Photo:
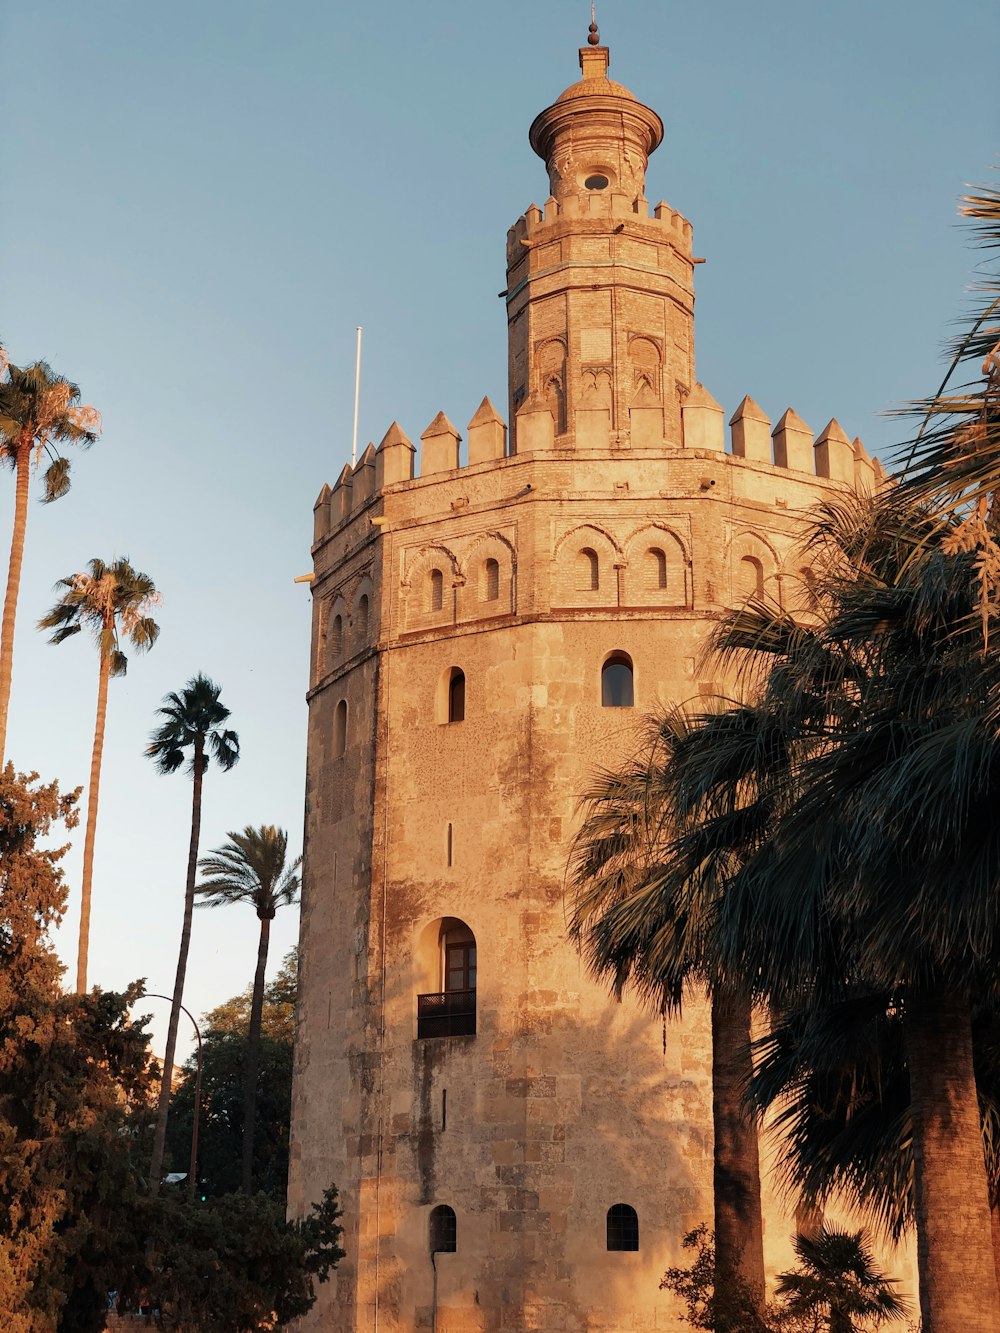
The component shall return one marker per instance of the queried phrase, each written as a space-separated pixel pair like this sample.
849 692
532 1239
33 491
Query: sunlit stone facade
464 615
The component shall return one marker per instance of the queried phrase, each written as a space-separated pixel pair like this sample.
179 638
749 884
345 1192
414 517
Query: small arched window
751 577
443 1230
656 568
623 1227
362 634
616 682
588 570
490 585
456 695
340 729
436 590
336 645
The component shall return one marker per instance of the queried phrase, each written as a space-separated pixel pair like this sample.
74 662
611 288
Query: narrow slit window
491 580
623 1227
340 729
363 618
443 1230
456 696
617 685
656 565
336 637
437 590
451 846
588 570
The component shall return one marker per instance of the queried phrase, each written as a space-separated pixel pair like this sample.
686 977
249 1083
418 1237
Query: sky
202 200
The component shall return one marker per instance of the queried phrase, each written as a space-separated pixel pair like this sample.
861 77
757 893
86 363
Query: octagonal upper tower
600 291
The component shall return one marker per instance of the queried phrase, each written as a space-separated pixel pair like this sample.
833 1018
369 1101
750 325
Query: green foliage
251 868
74 1074
835 1287
278 1017
230 1264
112 601
38 411
193 722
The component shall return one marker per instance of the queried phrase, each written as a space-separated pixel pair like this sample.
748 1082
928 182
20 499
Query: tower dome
596 135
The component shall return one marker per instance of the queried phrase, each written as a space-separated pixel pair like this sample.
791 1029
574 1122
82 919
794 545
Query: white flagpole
357 390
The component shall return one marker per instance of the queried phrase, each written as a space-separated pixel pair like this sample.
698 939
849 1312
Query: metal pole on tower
357 390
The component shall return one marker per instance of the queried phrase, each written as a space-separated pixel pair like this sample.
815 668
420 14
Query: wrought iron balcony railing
450 1013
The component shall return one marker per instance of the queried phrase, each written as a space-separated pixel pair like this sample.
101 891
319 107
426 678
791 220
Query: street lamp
192 1176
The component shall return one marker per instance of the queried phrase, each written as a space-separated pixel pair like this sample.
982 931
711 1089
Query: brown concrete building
513 1149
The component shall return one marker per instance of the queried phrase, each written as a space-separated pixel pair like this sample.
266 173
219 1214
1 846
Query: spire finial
594 37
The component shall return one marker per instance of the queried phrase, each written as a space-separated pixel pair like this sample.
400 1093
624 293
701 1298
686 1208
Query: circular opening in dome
596 182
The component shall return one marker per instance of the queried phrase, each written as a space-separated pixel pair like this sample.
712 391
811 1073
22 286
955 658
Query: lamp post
192 1175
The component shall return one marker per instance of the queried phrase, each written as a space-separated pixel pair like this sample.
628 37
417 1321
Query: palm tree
837 1277
38 411
192 730
637 857
113 601
881 871
251 868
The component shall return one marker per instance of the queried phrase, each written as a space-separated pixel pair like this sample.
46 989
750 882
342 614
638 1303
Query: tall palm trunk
253 1055
13 584
958 1285
83 949
163 1106
739 1240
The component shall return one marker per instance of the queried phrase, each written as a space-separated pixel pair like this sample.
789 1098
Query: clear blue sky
202 199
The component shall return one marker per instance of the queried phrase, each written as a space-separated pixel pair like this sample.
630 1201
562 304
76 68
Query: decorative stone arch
335 636
754 567
658 568
585 568
797 581
362 615
419 584
488 590
645 356
550 378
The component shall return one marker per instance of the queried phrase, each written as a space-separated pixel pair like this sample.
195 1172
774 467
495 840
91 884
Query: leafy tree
881 870
251 868
113 602
39 410
74 1077
192 730
641 925
223 1082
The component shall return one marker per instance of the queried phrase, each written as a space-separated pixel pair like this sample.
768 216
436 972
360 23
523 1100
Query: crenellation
751 432
439 447
536 428
864 469
702 417
363 487
394 458
793 443
321 514
834 453
532 218
340 499
551 209
487 434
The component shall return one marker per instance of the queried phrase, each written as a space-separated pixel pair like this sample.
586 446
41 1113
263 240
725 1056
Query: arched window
336 637
588 570
623 1227
446 962
340 729
616 682
456 696
751 577
443 1230
489 588
436 590
656 568
362 634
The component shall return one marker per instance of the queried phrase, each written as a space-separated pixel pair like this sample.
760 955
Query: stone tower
514 1150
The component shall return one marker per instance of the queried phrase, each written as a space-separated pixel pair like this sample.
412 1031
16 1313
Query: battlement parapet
789 446
535 221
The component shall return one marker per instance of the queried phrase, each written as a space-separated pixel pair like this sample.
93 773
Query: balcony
450 1013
